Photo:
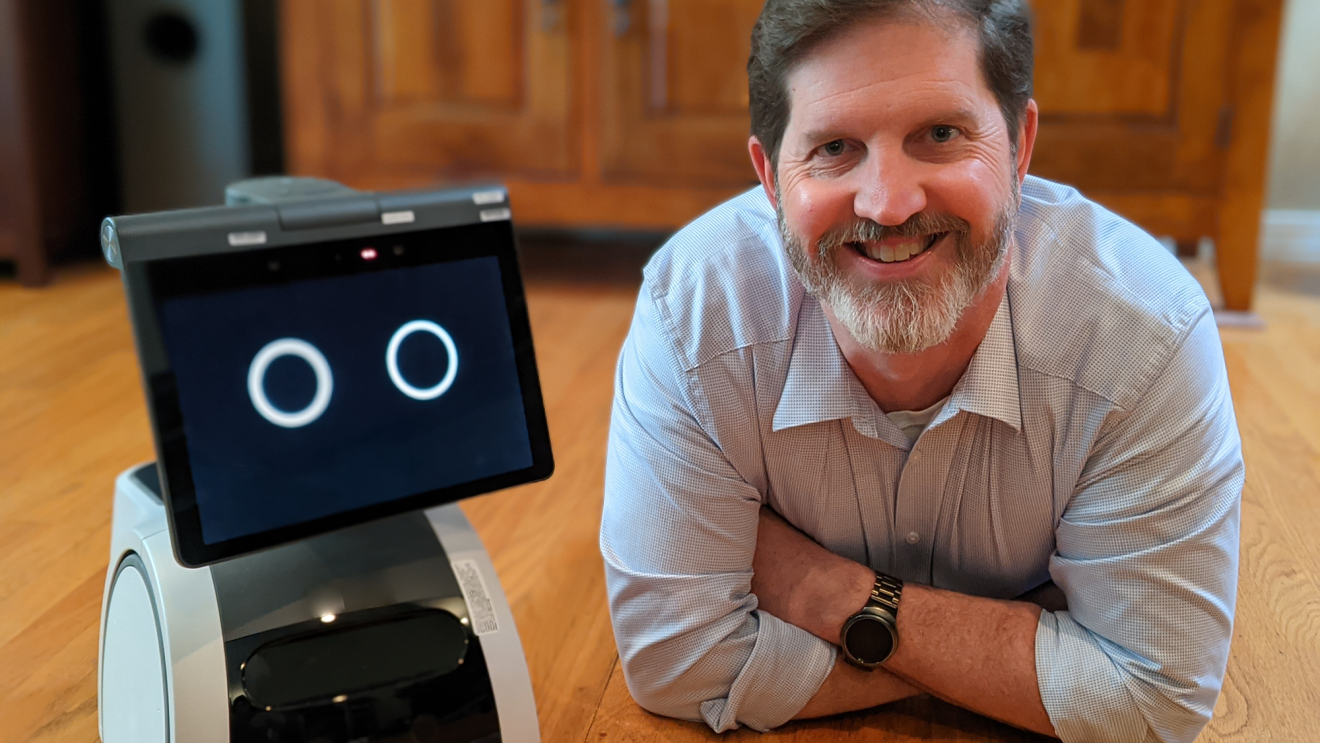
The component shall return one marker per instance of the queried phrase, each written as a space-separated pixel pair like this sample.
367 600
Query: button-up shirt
1090 441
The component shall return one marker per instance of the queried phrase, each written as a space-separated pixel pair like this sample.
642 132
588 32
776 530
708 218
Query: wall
1292 223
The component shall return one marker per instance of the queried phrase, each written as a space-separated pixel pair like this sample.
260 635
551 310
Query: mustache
867 230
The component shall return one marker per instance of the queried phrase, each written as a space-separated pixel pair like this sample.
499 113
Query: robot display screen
319 386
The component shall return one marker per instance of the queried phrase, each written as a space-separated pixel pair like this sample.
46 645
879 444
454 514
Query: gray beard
904 317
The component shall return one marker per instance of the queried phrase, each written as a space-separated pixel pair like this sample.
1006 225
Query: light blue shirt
1091 441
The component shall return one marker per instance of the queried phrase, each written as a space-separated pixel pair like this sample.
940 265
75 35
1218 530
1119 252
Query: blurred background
623 118
613 122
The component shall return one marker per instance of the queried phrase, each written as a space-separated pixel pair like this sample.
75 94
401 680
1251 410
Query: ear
1027 139
765 170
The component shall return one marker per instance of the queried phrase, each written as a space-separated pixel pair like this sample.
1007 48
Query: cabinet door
1133 102
674 91
385 92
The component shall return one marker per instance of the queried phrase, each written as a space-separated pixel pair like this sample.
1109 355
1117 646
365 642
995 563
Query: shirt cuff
1083 691
785 670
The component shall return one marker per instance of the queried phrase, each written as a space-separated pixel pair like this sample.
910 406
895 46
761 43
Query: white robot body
164 675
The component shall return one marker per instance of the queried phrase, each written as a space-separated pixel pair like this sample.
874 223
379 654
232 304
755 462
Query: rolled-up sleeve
678 534
1147 554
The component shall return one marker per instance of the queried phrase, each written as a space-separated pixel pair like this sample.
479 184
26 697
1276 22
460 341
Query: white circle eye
325 382
392 359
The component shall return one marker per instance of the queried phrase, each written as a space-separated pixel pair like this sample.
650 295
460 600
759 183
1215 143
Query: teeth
895 253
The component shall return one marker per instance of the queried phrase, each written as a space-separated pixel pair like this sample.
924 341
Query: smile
896 250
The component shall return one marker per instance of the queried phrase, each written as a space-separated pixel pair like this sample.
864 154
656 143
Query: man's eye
835 148
943 133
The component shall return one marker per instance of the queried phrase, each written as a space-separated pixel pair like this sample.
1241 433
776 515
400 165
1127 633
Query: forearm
847 689
829 591
974 652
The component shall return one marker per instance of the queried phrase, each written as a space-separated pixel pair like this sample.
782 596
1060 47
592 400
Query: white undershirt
913 422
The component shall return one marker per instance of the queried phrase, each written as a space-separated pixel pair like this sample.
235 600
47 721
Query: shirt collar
820 386
989 387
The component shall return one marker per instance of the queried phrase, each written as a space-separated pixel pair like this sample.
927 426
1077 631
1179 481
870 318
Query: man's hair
789 29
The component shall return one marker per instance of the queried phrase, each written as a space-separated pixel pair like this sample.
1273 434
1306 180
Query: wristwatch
870 636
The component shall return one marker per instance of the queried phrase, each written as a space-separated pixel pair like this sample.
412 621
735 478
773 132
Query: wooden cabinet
607 113
20 216
674 92
54 185
633 113
1160 110
426 89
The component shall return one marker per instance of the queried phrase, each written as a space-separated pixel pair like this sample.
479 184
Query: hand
803 583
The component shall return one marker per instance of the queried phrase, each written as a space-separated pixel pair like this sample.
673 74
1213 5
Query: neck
919 380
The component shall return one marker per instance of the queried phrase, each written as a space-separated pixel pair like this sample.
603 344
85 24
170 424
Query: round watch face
869 640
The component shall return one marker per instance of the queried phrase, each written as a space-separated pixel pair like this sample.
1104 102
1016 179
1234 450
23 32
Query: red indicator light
368 254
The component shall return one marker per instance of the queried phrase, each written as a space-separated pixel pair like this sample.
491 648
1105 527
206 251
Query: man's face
897 181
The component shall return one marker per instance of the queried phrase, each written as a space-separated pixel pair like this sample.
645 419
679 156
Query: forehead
896 68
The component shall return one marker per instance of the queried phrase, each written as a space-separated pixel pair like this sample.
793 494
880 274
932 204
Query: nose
889 190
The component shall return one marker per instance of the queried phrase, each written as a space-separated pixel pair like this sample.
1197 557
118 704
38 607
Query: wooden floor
72 417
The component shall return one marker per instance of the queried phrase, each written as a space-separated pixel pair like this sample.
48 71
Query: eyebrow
822 135
830 134
958 114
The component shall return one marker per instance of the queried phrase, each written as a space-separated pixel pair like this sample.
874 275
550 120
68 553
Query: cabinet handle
552 11
622 16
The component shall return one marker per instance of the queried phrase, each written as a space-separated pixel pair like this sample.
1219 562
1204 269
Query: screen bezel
221 272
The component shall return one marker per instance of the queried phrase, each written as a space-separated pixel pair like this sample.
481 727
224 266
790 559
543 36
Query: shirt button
913 537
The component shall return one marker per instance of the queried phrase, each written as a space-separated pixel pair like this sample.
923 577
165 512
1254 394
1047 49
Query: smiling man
908 420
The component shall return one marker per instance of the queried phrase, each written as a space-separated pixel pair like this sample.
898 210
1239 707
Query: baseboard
1240 320
1291 235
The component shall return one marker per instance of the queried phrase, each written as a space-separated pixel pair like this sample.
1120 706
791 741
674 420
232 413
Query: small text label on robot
476 596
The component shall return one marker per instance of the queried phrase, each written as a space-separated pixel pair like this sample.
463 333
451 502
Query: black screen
338 385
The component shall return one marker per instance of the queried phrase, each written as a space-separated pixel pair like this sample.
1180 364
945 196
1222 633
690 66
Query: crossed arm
975 652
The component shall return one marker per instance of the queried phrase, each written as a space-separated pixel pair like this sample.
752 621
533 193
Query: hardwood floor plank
56 699
1273 687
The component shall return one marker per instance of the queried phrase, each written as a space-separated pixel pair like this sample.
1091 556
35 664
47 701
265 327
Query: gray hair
788 29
